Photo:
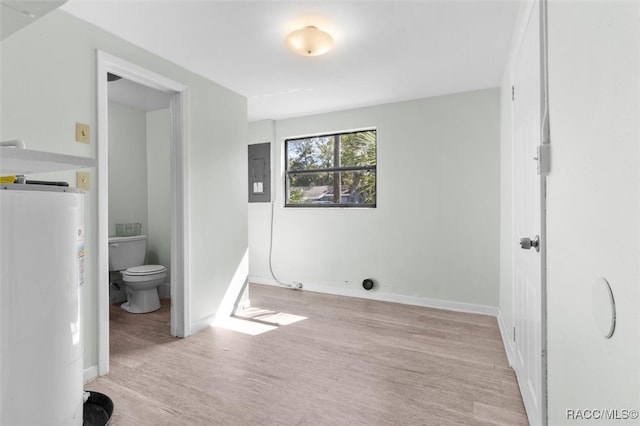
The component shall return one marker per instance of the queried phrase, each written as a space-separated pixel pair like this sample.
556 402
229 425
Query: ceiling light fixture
309 41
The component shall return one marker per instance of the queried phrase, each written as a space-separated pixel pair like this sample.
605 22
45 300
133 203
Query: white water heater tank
41 270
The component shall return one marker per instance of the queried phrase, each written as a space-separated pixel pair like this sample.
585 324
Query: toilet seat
145 270
144 273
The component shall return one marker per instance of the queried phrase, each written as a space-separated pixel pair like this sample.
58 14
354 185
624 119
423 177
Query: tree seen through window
332 170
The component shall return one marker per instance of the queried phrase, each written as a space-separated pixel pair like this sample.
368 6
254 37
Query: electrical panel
259 172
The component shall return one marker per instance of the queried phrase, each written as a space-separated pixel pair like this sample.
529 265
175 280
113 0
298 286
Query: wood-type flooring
350 362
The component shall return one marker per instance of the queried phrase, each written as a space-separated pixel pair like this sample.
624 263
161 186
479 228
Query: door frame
543 169
180 294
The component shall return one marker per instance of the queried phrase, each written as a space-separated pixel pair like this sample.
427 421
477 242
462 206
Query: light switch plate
82 133
82 180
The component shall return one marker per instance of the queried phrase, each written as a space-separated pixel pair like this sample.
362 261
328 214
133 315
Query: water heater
42 255
41 270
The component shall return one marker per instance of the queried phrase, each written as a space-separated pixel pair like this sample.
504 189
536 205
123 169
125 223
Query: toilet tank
126 252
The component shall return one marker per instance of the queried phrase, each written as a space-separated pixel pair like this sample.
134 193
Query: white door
529 295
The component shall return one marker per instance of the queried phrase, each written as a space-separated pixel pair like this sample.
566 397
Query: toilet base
142 301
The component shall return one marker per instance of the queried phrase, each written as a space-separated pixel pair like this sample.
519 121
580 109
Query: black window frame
336 170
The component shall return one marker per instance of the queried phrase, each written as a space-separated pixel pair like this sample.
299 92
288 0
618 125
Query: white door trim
180 313
545 139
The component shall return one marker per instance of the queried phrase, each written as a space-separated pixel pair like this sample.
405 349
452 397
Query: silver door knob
527 243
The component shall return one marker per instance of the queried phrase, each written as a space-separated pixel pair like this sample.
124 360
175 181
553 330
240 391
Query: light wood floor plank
351 362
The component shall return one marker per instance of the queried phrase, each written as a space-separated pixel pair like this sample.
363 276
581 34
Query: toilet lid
145 270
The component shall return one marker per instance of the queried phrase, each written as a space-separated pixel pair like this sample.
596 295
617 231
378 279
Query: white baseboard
506 337
201 325
389 297
90 373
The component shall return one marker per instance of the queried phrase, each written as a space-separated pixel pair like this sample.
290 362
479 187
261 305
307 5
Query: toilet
126 255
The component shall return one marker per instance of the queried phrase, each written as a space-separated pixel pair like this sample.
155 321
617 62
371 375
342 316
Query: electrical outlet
82 180
82 133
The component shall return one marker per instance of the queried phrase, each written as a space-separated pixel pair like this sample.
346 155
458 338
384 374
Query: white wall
434 234
127 166
593 204
49 83
159 192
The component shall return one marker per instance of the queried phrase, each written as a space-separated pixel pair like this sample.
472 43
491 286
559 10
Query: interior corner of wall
90 373
236 289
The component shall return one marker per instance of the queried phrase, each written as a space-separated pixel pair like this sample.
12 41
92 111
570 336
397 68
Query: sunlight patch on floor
251 328
255 321
269 317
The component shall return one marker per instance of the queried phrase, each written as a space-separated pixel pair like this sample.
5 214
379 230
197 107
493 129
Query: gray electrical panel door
260 173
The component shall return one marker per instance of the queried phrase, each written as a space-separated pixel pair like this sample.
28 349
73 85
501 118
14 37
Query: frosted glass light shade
309 41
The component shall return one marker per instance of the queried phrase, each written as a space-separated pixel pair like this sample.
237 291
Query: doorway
179 291
139 204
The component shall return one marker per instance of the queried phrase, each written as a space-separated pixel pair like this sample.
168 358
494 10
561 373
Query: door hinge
544 159
513 93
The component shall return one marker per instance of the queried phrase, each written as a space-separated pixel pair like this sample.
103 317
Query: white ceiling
386 51
135 95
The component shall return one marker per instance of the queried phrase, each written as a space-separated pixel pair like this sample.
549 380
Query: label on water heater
80 254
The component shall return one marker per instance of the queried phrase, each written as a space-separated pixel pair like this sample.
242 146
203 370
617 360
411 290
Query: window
337 170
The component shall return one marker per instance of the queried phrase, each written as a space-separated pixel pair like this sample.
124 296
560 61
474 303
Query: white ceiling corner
17 14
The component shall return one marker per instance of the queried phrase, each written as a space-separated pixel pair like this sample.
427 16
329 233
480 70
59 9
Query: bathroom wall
433 237
127 166
159 193
48 82
139 179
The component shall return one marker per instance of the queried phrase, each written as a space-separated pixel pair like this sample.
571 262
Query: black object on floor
97 410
